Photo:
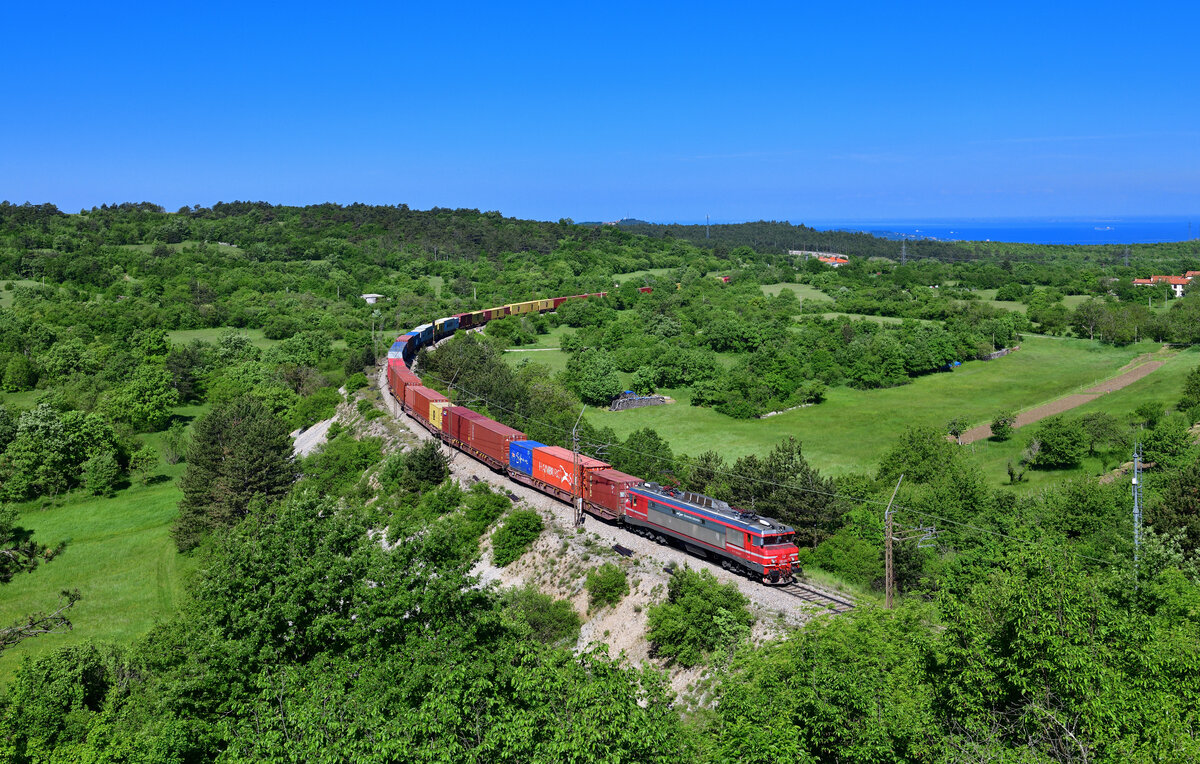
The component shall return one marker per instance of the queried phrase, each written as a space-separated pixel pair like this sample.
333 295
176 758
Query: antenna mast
904 252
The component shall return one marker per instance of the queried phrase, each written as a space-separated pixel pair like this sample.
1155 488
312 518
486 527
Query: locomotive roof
710 506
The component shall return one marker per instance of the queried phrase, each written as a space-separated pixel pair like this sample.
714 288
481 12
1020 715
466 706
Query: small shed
372 298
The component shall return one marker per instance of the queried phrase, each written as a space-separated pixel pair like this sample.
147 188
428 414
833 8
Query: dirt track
1069 402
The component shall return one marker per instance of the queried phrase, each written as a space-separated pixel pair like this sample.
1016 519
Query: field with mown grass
851 429
803 291
119 555
621 278
6 295
1162 387
210 335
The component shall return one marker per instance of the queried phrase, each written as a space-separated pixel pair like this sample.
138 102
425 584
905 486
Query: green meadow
119 555
803 291
6 295
184 336
851 429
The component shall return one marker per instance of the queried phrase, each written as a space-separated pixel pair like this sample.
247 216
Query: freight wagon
703 525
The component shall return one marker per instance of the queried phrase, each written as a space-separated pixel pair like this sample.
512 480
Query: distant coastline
1028 230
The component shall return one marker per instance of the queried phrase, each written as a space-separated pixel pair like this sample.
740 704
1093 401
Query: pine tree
239 452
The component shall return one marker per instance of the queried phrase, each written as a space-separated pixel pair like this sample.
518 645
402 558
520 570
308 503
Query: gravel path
1068 402
468 470
304 442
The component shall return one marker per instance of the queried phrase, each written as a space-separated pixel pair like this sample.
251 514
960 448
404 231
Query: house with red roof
1177 283
833 261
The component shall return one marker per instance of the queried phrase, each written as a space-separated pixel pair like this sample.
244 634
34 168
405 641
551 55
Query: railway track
815 596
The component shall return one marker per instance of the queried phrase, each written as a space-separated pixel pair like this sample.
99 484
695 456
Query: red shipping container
556 466
454 419
417 398
559 301
607 488
399 378
490 437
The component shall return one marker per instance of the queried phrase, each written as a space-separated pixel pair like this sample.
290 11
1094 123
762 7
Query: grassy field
876 319
184 336
22 400
803 291
119 556
1162 387
621 278
853 428
6 295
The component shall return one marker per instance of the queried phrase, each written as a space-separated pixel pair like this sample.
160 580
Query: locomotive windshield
784 538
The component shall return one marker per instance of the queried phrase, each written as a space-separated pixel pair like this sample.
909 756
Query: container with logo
520 455
555 466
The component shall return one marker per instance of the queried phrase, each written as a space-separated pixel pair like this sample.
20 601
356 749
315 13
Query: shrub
320 405
547 620
175 443
341 462
143 462
1059 442
1002 425
606 585
356 381
368 410
511 540
700 615
101 473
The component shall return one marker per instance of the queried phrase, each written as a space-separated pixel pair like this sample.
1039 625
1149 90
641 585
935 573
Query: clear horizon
664 112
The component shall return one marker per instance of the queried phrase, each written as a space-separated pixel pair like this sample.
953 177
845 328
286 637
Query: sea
1129 230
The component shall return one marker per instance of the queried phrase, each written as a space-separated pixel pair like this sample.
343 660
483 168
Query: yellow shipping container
545 305
517 308
436 409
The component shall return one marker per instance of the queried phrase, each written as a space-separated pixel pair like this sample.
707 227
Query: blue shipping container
520 455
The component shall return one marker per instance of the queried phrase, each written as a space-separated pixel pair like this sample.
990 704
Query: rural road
1068 402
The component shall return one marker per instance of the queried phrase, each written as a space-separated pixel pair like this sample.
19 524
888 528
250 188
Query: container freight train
707 527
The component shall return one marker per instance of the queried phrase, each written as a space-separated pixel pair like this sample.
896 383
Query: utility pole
889 577
706 226
1137 508
577 487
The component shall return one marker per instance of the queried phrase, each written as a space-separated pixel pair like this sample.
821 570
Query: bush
143 462
319 406
1059 442
700 615
606 585
511 540
340 462
1002 425
101 473
356 381
547 620
175 443
368 410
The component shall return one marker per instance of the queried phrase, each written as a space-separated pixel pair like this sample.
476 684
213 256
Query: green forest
328 606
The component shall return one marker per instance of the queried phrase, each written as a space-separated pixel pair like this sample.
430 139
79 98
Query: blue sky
799 111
